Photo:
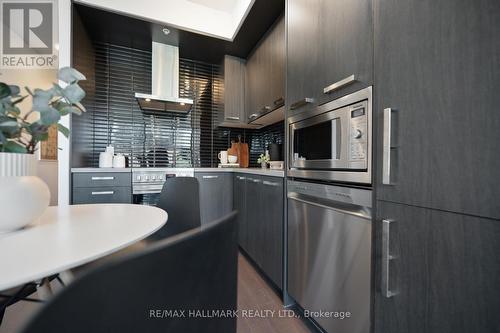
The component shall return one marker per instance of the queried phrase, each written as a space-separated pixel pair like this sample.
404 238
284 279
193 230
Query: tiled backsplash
161 139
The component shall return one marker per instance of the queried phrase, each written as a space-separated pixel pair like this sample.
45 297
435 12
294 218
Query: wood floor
255 294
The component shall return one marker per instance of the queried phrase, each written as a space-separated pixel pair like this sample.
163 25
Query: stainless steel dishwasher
329 254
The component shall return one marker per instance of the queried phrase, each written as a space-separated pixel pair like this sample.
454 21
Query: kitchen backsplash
154 139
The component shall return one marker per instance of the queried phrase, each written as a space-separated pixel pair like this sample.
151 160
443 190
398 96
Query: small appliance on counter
276 156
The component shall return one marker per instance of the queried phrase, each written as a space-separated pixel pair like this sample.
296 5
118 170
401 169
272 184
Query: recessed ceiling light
166 31
148 99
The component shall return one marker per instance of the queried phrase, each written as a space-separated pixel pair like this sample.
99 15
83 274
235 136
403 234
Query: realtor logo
28 34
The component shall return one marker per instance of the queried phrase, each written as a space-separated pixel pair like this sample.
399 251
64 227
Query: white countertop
253 171
65 237
101 169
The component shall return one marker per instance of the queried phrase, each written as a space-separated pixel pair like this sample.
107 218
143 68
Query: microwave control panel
358 140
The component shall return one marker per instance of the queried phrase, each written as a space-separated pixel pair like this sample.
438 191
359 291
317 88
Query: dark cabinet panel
328 42
100 179
239 204
445 272
216 195
437 67
272 228
94 195
254 218
234 90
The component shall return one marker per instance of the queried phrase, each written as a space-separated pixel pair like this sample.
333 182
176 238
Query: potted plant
23 196
263 160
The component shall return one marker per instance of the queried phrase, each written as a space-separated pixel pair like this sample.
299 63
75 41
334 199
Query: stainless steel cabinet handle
256 180
339 84
210 177
103 178
302 102
386 258
240 178
386 149
266 108
253 115
265 182
279 101
233 118
102 192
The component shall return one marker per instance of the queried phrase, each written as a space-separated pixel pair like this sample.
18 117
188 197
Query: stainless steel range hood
165 83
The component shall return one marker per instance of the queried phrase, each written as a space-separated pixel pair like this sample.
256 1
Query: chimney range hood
165 83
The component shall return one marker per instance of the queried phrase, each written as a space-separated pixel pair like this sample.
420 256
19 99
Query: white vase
23 196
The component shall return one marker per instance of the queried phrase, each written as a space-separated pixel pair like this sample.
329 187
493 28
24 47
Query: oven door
319 142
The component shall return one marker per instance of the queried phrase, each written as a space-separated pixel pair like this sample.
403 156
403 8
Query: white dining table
65 237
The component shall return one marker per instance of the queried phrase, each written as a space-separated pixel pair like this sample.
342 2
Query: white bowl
232 158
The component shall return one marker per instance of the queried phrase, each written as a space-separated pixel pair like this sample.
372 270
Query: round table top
69 236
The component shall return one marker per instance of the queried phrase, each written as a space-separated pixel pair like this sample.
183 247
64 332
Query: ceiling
216 18
105 26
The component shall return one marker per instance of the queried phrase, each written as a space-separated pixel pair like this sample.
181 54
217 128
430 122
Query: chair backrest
180 198
148 290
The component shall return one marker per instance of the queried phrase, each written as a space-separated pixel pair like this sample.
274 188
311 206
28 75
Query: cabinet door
252 91
445 272
234 89
216 193
437 67
277 64
345 46
272 228
254 219
239 204
303 26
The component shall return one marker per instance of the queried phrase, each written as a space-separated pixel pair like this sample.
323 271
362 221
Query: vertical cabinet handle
103 178
386 259
339 84
386 149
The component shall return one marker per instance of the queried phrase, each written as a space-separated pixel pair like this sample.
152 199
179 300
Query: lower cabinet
216 195
444 272
259 200
101 187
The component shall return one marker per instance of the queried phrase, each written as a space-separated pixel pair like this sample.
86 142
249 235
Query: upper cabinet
437 77
265 75
234 91
329 51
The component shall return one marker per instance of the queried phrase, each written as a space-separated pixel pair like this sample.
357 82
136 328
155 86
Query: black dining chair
178 284
180 198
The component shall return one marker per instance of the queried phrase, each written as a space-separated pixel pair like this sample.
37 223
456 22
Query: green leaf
65 108
13 110
14 90
2 138
9 126
49 115
41 99
38 131
70 75
57 90
14 147
74 93
19 100
4 90
63 130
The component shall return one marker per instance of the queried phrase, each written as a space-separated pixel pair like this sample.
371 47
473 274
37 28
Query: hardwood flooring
255 294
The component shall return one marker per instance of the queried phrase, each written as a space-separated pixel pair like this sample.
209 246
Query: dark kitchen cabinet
436 67
264 223
330 47
101 187
216 195
445 271
272 228
265 72
239 204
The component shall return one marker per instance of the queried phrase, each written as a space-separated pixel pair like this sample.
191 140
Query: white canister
110 149
119 161
105 160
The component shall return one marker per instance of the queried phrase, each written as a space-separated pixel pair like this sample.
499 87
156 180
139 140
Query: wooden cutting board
233 150
243 158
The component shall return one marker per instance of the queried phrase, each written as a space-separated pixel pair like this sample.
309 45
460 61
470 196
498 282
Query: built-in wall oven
147 183
334 141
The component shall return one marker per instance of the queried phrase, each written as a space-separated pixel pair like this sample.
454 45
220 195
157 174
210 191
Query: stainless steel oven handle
302 102
386 259
339 84
386 147
332 206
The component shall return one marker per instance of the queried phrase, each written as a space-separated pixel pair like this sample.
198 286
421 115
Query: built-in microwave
334 141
